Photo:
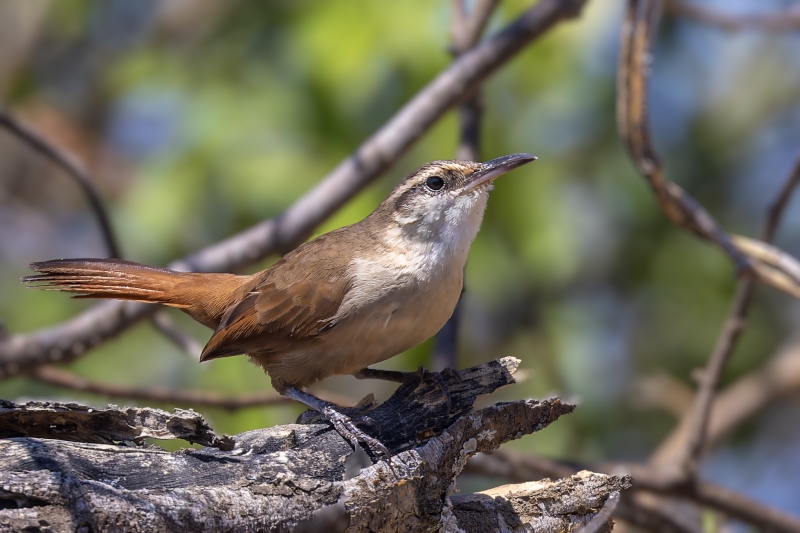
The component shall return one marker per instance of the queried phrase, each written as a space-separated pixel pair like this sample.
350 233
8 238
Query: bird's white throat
441 232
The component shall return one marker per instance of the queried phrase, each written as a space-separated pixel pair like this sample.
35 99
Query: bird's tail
203 296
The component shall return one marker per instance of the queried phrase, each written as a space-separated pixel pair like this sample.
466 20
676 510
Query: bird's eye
434 183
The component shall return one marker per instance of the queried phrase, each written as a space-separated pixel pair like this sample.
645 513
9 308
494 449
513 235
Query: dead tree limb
304 477
79 423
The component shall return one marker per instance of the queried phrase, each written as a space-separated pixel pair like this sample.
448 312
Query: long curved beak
497 167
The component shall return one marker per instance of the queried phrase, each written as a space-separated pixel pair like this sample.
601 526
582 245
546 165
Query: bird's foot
342 423
345 426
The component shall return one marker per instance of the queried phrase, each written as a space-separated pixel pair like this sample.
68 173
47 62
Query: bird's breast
412 271
396 301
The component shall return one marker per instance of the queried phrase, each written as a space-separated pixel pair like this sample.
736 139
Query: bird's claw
345 426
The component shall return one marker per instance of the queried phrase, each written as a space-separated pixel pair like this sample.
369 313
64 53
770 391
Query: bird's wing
296 299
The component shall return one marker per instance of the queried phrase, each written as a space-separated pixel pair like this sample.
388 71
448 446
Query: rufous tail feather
203 296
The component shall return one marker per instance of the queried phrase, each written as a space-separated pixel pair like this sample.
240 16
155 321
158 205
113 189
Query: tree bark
299 477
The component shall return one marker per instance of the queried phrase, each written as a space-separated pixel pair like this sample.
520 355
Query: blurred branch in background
788 20
733 327
466 31
74 168
73 338
77 170
165 324
679 474
68 380
638 32
734 405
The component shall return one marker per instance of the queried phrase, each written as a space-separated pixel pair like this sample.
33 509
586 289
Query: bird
336 304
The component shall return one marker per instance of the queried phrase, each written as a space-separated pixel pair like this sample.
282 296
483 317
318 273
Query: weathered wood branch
80 423
585 500
304 477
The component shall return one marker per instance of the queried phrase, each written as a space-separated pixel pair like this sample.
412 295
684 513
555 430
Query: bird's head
443 201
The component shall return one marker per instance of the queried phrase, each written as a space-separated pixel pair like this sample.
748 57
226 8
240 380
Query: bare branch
603 518
633 507
72 339
459 23
73 168
635 64
709 378
638 32
80 423
788 20
167 326
77 170
738 402
68 380
735 324
777 207
466 31
536 504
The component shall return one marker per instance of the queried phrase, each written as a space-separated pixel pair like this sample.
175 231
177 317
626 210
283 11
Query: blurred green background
199 118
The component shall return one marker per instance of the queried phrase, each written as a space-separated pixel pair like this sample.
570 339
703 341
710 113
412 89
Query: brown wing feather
286 307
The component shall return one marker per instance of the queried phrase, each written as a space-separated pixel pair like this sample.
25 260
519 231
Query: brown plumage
272 312
204 297
335 305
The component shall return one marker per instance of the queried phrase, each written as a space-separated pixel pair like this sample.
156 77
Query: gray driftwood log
298 477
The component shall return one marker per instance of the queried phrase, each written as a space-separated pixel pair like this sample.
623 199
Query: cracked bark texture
80 423
304 477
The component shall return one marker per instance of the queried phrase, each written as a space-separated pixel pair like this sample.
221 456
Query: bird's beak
495 168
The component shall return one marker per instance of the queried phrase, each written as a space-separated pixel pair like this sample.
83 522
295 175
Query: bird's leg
421 375
341 422
386 375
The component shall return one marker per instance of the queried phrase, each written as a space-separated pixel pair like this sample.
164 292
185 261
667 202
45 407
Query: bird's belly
387 328
376 332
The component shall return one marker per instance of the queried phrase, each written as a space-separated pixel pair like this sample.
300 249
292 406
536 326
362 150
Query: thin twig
68 380
72 166
776 209
635 65
733 405
73 338
466 31
727 339
709 379
64 159
788 20
164 323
